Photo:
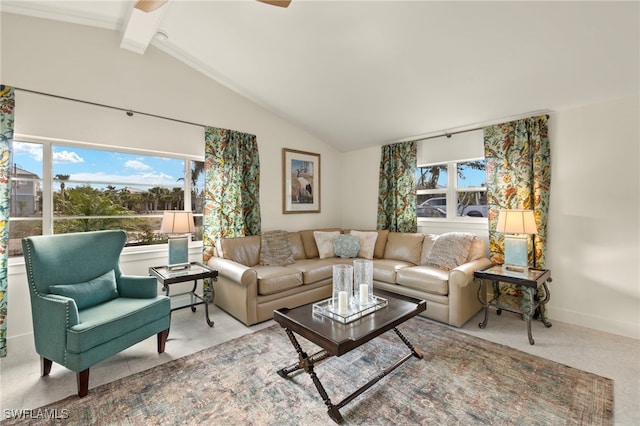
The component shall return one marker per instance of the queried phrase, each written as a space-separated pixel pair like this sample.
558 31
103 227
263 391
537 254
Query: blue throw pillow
86 294
346 246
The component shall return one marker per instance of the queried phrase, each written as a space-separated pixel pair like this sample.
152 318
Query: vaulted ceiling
364 73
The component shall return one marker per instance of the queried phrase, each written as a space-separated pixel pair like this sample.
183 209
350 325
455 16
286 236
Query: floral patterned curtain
7 106
397 188
518 164
232 187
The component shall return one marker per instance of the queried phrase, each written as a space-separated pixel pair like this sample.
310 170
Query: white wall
594 224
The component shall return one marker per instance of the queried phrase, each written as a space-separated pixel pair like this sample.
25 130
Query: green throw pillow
86 294
346 246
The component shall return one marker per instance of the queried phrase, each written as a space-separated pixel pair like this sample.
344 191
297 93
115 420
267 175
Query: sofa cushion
450 250
346 246
385 270
381 243
275 249
274 279
244 250
367 241
91 293
476 251
314 270
325 242
297 248
427 244
404 246
424 278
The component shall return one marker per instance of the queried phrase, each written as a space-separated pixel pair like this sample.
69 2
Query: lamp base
515 255
178 252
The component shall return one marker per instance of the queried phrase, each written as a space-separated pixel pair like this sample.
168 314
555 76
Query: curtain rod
129 112
473 129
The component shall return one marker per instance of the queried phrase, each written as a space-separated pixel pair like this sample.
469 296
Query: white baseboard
608 325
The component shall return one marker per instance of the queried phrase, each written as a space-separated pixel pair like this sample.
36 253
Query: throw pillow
275 249
367 242
346 246
86 294
325 242
450 250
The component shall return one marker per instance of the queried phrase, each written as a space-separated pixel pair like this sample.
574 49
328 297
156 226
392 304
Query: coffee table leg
306 363
415 351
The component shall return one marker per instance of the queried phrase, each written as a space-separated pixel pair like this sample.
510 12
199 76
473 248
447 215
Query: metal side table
196 271
534 280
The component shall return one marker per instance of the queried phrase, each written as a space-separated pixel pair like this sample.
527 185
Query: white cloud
137 165
67 157
154 179
31 149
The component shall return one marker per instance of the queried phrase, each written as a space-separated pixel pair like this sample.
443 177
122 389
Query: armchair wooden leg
162 339
45 366
82 377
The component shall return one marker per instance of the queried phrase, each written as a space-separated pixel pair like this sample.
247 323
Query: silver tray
356 311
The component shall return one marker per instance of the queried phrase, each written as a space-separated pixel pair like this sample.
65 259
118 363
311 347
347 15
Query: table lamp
517 224
178 225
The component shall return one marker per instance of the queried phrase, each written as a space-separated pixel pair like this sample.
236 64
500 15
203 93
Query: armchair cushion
103 323
90 293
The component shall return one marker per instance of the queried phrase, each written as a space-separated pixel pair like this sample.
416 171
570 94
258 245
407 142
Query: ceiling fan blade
279 3
149 5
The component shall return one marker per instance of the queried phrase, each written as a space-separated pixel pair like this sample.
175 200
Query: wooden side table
196 271
533 280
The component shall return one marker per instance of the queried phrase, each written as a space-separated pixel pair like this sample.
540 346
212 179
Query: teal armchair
84 309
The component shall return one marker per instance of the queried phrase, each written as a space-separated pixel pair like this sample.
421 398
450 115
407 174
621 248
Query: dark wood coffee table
336 339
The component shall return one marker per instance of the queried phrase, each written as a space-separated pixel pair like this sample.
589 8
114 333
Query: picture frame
300 181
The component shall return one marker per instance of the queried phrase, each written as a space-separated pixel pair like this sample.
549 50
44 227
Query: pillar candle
364 294
343 302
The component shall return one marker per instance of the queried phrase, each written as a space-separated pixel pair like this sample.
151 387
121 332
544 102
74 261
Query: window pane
140 230
471 174
472 203
18 229
26 180
432 205
91 182
432 177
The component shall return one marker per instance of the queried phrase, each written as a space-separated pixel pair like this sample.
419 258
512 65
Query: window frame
451 192
47 179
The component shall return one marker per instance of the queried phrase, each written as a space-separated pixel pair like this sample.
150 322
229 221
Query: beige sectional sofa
403 263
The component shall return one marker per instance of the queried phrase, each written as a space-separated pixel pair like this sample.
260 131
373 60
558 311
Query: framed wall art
300 182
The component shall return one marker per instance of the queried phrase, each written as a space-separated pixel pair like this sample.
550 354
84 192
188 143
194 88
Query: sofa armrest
234 271
137 286
463 296
462 275
52 316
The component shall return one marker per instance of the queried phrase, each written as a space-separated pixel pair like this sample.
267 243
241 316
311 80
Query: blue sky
119 169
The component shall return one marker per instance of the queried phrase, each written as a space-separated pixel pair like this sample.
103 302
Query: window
58 189
462 184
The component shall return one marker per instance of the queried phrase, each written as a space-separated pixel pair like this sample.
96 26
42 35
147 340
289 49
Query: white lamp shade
516 222
177 222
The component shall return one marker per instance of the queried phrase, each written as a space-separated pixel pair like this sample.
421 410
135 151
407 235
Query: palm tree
62 179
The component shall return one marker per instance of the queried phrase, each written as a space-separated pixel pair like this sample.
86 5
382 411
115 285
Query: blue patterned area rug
461 380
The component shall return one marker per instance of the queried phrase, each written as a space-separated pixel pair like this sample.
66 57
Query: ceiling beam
141 28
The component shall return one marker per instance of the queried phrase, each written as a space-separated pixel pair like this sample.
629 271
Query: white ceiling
365 73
